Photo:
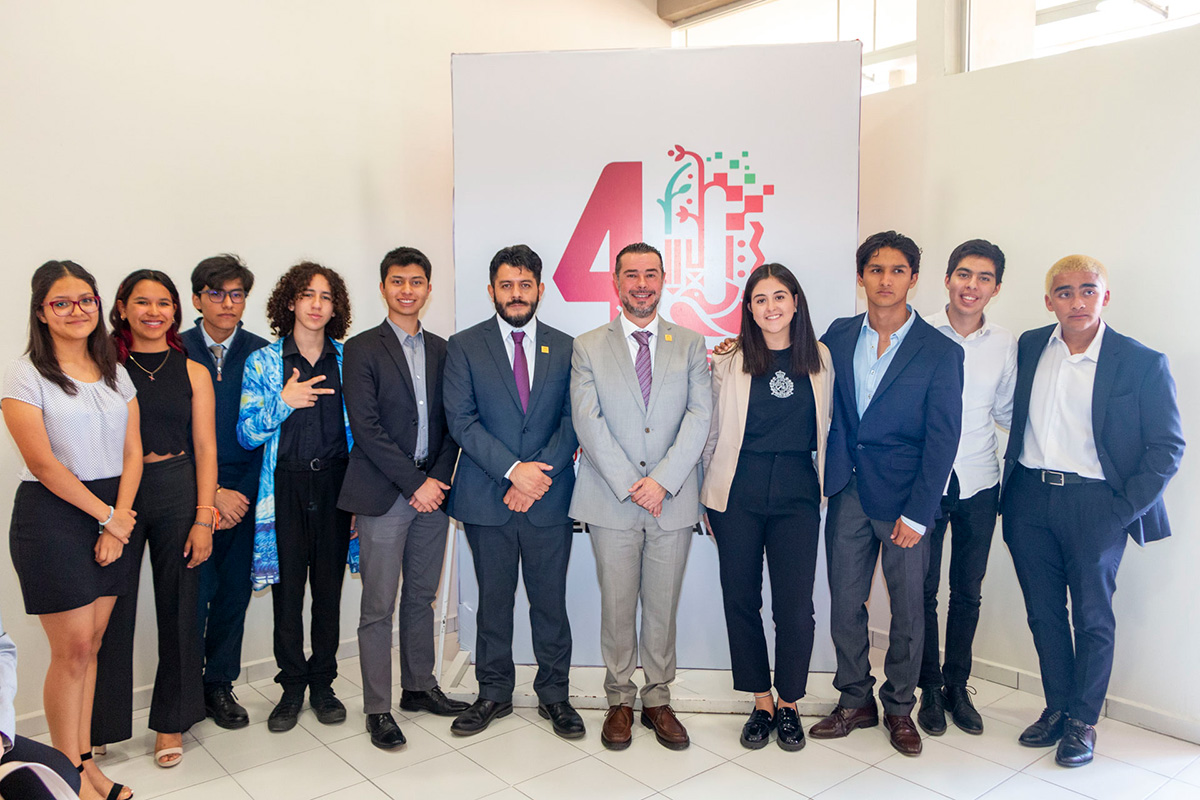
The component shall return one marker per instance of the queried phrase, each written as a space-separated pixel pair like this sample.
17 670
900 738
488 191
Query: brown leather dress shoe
903 734
843 720
667 728
617 732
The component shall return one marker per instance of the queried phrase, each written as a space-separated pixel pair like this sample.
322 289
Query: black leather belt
312 465
1056 478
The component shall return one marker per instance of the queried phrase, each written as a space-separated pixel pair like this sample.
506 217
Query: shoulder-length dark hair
41 345
122 336
288 289
756 358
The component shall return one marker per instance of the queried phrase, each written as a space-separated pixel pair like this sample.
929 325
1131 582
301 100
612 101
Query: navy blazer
903 448
377 388
1135 422
485 417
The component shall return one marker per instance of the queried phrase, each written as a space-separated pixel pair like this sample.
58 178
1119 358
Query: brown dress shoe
843 720
667 728
903 734
617 732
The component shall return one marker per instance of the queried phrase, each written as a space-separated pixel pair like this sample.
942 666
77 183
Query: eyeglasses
237 296
65 308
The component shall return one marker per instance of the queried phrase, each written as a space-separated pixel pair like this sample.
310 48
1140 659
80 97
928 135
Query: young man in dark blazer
219 288
1095 439
508 404
396 483
897 414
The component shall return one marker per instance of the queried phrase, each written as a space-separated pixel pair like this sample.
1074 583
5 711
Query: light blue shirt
8 691
414 354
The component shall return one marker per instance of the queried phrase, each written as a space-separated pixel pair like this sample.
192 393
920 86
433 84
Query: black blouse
164 395
782 415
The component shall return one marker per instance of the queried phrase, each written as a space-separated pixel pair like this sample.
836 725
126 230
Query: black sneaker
326 706
932 716
286 712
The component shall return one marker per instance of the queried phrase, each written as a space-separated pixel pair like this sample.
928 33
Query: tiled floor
519 758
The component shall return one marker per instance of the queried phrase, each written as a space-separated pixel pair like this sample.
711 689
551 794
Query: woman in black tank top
175 514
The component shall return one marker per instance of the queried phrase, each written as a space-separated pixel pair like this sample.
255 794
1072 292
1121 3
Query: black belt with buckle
312 465
1056 478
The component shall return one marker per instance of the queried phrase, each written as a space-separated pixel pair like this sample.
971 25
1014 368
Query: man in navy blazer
897 414
1095 439
507 394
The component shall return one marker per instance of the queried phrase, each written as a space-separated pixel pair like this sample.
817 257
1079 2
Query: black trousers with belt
774 508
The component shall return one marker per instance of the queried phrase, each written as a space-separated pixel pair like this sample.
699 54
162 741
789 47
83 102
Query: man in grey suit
641 402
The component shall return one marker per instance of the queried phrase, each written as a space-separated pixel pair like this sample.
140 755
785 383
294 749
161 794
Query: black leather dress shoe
757 730
432 700
1046 731
1077 745
789 733
962 710
932 715
385 733
221 704
478 716
286 712
563 718
326 706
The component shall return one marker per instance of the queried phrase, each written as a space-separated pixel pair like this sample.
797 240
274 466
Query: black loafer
563 718
757 730
1077 745
286 712
432 700
789 733
221 704
478 716
962 710
326 706
1046 731
932 715
385 733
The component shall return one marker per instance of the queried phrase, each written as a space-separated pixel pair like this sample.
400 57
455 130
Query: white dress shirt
989 378
628 329
8 691
1059 434
529 345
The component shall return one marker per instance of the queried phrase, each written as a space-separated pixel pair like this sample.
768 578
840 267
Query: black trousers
542 555
972 522
23 785
1066 539
774 508
313 537
166 509
224 597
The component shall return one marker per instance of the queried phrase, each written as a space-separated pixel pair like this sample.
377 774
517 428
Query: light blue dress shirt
414 354
8 690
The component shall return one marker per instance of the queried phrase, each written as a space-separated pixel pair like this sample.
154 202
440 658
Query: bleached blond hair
1075 263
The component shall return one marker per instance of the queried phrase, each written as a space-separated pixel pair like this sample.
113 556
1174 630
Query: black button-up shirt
320 431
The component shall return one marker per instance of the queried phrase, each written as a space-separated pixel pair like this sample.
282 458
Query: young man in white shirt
971 499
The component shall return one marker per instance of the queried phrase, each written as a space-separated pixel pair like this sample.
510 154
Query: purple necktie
641 364
521 369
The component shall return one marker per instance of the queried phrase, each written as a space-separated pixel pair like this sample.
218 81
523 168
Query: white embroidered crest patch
781 385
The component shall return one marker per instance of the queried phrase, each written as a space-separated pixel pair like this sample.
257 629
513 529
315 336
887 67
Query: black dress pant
1066 539
972 522
166 509
23 784
774 508
224 597
313 537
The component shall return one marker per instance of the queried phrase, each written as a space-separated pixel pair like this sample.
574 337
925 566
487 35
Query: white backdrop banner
723 158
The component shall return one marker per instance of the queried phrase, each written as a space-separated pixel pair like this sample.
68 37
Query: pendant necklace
156 369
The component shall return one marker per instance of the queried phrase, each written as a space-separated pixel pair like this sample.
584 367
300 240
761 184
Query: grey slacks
402 541
645 564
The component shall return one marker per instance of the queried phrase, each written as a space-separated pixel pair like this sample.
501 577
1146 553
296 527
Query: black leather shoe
1077 744
563 718
757 730
326 706
432 700
478 716
1046 731
932 715
385 733
962 710
287 710
789 733
221 704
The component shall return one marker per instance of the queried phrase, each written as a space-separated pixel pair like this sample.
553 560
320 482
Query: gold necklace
156 369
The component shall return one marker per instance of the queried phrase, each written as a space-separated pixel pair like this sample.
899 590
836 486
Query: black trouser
224 597
1066 539
23 784
313 537
972 522
166 509
774 507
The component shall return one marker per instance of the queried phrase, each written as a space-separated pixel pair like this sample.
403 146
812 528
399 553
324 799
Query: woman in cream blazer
763 464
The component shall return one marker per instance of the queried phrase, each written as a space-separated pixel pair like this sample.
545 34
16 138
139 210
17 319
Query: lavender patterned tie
641 364
521 368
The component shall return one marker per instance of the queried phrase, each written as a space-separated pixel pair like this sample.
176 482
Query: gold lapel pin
668 337
545 349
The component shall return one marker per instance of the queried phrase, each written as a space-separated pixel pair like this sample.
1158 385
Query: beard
639 313
519 317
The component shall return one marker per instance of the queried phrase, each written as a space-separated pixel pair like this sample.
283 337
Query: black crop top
164 395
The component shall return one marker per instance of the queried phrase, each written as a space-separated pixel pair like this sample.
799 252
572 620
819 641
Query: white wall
148 134
1095 152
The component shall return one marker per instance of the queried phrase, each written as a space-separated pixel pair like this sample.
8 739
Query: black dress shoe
286 712
221 704
962 710
563 718
432 700
478 716
789 733
757 730
1046 731
326 706
385 733
932 715
1077 745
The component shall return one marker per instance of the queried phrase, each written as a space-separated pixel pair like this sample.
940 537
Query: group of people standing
247 464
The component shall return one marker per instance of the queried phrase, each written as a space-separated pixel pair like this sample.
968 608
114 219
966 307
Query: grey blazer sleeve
592 428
